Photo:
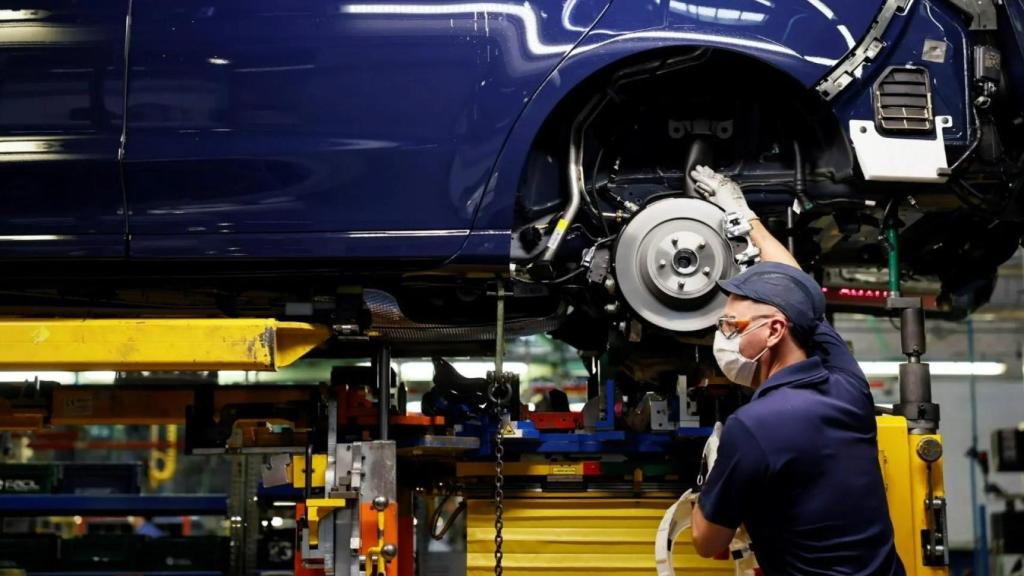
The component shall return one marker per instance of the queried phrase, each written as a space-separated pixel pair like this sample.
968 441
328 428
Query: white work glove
710 454
722 191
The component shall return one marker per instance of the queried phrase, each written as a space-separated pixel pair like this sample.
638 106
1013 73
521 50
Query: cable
460 509
970 149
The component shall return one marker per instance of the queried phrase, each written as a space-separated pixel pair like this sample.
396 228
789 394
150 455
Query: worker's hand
722 191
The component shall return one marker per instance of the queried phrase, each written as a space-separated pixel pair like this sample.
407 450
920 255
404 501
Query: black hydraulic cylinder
916 398
915 377
912 331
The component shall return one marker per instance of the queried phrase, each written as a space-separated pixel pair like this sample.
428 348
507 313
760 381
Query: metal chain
499 496
499 450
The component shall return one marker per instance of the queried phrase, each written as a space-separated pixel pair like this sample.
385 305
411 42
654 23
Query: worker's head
768 321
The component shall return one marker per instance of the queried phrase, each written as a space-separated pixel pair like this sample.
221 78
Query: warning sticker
510 431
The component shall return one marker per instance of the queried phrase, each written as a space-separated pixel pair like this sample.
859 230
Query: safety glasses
730 326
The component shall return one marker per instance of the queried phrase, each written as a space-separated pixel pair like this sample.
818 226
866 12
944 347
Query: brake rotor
668 261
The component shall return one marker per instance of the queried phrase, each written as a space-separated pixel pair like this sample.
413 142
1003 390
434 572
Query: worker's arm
771 249
709 538
733 486
835 354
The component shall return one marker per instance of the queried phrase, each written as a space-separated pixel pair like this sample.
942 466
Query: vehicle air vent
903 101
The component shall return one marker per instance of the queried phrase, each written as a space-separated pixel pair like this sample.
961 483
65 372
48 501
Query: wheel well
745 112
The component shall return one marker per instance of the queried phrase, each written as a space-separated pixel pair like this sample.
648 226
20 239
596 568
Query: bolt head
662 263
929 450
675 241
380 503
706 271
681 284
701 245
389 551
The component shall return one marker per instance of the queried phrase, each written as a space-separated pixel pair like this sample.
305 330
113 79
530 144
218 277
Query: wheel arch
595 58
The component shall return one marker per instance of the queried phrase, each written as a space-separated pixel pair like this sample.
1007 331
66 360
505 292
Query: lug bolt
680 284
662 263
706 271
675 241
701 245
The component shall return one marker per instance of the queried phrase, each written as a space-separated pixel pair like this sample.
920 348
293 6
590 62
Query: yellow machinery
912 470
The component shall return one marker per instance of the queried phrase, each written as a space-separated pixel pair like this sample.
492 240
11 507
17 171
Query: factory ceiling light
879 369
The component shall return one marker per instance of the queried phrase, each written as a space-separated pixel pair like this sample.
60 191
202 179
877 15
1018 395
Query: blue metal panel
802 39
950 78
300 116
61 89
78 504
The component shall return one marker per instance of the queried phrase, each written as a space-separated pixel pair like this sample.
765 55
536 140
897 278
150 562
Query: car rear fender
803 40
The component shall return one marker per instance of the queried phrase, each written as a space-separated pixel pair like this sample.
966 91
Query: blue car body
344 129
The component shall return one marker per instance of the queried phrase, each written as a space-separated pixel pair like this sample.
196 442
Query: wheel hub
668 260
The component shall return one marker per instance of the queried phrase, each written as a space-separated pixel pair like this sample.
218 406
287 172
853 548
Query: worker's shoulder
758 413
785 402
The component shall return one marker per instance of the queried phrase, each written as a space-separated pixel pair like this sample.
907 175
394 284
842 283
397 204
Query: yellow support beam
155 344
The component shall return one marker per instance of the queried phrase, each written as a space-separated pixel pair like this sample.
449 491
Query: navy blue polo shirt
799 467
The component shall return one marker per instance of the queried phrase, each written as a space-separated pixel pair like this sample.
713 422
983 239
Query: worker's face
765 328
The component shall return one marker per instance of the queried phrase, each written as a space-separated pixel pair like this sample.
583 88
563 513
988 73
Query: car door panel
339 119
61 100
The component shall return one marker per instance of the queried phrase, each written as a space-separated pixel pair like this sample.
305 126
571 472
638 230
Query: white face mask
734 364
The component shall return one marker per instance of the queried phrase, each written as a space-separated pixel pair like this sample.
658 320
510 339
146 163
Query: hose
576 179
699 153
800 179
460 509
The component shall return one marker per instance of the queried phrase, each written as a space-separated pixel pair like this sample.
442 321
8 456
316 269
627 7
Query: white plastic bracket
888 159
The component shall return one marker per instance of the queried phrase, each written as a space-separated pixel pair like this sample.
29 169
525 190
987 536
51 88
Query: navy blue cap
789 289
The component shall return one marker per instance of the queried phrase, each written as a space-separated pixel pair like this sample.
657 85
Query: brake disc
668 261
